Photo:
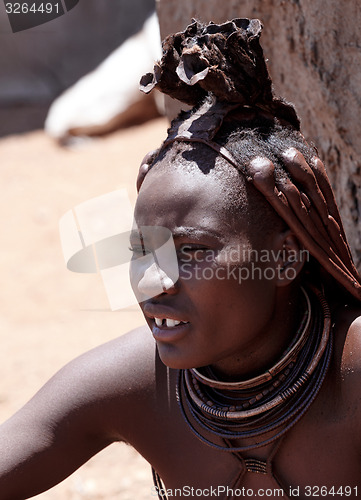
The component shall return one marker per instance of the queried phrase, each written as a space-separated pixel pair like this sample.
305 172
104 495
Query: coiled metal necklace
273 401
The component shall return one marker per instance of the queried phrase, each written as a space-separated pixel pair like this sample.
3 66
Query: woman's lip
169 334
152 311
165 333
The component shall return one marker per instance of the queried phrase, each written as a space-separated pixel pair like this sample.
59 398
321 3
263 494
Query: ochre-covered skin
237 82
120 391
126 390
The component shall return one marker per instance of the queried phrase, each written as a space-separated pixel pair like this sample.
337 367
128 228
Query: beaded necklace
287 359
273 401
277 404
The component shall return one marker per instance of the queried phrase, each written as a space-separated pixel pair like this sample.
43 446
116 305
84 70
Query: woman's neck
269 346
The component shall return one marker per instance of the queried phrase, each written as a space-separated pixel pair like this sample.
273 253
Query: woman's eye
197 252
192 248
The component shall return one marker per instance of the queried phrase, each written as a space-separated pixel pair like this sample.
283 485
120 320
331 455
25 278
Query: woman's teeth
170 323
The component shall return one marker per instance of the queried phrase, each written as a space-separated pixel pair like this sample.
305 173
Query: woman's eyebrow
179 233
191 232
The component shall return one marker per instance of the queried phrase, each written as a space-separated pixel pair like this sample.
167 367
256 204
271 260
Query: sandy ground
48 314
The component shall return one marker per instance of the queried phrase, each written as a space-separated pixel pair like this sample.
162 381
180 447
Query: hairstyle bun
225 60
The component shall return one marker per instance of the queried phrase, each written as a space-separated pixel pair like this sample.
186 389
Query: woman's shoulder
125 364
104 390
347 356
347 334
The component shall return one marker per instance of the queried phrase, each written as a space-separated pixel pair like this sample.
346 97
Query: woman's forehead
189 176
197 164
180 192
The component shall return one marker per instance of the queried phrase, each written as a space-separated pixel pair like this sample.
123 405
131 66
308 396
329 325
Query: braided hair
220 70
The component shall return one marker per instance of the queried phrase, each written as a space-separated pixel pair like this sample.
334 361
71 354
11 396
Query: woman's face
224 298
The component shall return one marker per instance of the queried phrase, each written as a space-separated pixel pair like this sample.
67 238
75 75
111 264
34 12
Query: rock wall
314 53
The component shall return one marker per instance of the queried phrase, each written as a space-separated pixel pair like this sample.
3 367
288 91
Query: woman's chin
172 358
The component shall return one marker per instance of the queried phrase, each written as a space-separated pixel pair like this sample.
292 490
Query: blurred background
38 64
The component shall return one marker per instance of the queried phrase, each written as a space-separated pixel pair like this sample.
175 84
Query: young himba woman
245 380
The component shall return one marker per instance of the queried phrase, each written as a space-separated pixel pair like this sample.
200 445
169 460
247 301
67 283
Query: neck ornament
266 405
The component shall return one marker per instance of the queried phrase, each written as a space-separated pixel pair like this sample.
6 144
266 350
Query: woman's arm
87 405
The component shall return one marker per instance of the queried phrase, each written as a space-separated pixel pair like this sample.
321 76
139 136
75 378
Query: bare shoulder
102 396
341 400
348 338
101 391
113 364
347 376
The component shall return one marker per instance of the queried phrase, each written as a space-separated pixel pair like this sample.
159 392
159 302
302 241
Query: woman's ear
291 257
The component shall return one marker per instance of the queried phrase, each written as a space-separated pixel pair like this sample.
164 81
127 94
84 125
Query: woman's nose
155 281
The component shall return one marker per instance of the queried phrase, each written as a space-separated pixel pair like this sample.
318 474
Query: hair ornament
223 62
